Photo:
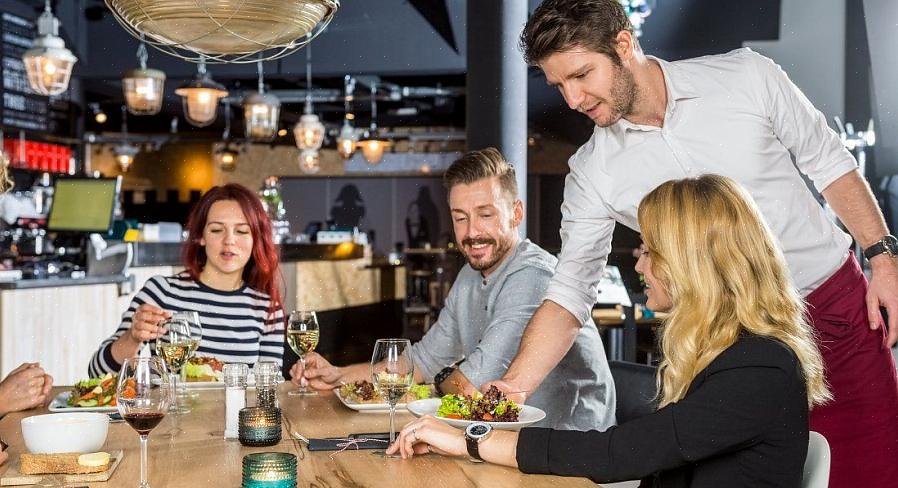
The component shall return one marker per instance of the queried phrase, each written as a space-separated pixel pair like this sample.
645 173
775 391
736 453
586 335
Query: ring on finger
415 434
429 450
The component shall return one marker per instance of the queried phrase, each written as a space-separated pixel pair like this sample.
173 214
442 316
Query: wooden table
200 457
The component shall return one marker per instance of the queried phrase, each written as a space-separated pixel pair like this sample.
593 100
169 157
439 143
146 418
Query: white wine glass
192 318
143 395
302 335
175 346
392 373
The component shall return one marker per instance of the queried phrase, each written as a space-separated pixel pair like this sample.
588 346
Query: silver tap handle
849 128
839 124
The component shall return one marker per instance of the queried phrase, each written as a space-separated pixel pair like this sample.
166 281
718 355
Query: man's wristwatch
887 245
474 435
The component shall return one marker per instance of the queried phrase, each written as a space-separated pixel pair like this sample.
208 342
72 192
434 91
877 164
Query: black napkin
339 443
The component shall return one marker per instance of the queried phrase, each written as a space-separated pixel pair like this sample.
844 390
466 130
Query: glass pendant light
348 137
309 131
48 63
143 87
373 147
309 161
200 97
261 112
124 152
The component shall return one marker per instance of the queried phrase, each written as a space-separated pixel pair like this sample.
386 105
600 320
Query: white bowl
65 432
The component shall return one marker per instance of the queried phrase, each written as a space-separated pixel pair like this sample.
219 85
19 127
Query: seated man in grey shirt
490 303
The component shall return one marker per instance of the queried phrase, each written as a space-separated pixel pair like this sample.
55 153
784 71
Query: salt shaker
235 396
267 374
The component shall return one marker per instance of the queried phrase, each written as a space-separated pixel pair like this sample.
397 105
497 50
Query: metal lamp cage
225 31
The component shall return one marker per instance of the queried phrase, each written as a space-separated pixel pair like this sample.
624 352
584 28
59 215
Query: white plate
367 407
529 415
61 404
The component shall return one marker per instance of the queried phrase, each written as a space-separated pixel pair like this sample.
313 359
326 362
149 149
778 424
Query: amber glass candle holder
258 426
269 470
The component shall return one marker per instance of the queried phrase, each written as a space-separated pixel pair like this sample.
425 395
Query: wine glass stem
302 361
174 398
392 428
143 461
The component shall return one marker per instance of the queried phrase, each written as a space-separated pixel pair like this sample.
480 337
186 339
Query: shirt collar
678 86
505 263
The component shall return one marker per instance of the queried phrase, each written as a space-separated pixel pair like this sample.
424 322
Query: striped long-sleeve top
237 327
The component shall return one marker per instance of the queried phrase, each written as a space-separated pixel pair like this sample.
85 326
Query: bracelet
441 377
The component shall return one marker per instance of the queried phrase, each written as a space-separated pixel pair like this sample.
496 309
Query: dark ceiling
406 42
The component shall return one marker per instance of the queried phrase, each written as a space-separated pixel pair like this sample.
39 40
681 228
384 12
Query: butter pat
94 459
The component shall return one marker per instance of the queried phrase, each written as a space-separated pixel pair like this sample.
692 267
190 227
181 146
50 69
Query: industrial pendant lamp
226 155
200 98
143 87
261 112
124 152
309 161
48 63
309 131
373 147
348 137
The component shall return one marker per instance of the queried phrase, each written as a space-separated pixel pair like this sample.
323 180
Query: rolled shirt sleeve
586 231
817 150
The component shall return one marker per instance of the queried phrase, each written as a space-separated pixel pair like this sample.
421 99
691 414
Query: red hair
261 270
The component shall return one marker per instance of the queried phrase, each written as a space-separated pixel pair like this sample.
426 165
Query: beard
501 246
624 93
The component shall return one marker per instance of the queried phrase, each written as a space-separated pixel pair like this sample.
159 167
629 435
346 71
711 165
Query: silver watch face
478 430
891 245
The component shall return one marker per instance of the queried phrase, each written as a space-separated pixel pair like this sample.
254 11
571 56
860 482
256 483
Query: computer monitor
83 204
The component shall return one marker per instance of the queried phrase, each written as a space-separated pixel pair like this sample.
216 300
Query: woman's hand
318 373
25 387
429 435
145 323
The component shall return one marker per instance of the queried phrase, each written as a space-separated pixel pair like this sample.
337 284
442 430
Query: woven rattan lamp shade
225 31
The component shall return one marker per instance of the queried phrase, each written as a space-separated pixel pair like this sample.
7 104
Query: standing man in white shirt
737 115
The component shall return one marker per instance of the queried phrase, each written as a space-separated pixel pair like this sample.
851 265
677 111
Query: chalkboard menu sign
22 108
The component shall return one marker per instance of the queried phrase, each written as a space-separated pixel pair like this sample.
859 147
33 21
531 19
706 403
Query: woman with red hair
230 279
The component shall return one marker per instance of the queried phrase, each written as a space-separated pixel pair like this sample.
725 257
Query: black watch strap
887 245
473 449
441 377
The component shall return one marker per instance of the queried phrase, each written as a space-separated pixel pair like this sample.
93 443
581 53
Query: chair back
816 465
635 389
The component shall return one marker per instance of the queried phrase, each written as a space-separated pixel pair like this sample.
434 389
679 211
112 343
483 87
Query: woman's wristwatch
474 435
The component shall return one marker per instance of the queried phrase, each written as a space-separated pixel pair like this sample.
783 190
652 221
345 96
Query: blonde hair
725 275
5 180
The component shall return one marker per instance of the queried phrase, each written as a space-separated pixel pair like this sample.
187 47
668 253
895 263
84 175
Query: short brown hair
474 166
558 25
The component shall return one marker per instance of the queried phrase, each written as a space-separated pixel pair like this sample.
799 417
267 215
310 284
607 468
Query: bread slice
64 463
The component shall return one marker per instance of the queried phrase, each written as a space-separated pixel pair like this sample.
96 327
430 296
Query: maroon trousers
861 424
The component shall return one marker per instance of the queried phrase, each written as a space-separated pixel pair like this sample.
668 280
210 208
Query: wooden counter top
200 457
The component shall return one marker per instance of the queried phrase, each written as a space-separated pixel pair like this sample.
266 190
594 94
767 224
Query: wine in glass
192 318
143 395
302 335
392 372
175 346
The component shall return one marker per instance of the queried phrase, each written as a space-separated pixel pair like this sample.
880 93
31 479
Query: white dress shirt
736 115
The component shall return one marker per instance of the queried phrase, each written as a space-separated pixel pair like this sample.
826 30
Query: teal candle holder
269 470
259 427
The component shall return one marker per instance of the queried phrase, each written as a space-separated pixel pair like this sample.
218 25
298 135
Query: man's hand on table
318 374
27 386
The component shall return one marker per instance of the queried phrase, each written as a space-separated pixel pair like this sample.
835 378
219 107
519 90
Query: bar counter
61 321
201 457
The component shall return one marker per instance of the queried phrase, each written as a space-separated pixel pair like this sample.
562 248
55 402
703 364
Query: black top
742 423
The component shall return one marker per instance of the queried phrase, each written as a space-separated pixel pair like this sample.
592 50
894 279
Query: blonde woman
740 369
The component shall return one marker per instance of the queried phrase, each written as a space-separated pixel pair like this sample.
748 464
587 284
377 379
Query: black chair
635 386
